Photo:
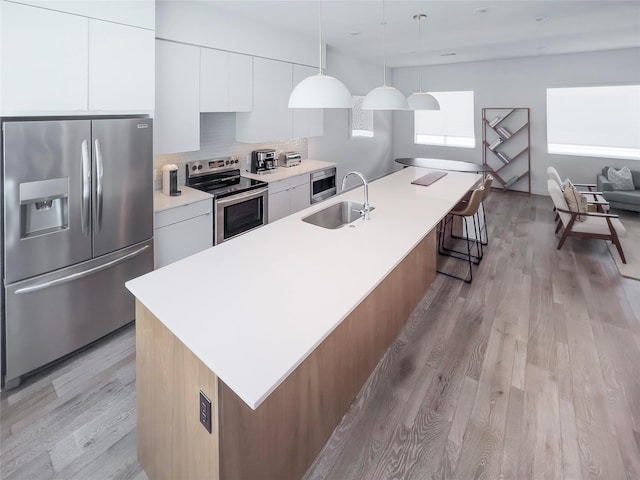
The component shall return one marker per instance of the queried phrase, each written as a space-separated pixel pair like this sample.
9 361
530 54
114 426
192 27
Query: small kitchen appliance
323 184
170 180
289 159
263 160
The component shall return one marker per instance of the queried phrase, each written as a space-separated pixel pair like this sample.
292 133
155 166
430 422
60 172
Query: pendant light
385 97
422 100
320 91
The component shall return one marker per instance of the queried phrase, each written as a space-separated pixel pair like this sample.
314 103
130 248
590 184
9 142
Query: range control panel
204 167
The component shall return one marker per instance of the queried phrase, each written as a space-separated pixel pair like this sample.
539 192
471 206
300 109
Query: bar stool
483 228
464 209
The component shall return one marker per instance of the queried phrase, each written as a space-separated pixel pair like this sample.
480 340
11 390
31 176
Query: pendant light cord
420 45
384 48
320 34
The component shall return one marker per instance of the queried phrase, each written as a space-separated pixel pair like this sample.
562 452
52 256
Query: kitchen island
279 328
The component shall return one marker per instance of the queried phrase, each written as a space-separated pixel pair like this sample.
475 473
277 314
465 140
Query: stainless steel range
240 204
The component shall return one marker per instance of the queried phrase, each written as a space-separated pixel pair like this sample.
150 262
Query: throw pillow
620 179
576 201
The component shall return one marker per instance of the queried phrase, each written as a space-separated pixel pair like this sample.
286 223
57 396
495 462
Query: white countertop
189 195
281 173
254 308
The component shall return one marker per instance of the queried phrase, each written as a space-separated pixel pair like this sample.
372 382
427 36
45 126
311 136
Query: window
594 121
451 126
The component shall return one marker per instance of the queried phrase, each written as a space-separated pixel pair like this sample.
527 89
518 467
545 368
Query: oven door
323 185
238 214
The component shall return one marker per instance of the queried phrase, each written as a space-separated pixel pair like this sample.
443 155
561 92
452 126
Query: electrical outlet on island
205 411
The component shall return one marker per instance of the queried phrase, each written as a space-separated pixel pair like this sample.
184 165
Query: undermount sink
336 215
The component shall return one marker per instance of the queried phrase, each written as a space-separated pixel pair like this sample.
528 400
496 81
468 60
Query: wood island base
280 439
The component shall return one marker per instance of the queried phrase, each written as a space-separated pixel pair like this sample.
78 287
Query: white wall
518 83
371 156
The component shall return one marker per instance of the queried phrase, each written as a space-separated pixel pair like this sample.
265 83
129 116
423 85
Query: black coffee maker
263 160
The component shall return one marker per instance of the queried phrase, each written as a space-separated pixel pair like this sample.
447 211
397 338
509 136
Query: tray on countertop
429 178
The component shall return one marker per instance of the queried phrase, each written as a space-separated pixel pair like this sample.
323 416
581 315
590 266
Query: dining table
443 164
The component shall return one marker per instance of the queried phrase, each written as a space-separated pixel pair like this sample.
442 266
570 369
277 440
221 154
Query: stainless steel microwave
323 184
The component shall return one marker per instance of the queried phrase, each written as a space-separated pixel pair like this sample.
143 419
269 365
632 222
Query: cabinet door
125 12
282 80
214 80
278 205
307 122
240 83
271 118
179 240
177 114
44 61
121 67
300 197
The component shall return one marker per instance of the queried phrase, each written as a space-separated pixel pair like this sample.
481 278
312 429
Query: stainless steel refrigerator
77 224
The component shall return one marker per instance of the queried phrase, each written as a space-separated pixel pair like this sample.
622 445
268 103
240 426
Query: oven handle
242 197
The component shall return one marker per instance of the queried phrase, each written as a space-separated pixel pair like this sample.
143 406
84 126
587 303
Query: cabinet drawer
299 180
279 186
182 213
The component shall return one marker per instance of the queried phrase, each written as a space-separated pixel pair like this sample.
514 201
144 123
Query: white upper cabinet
55 63
240 83
121 67
226 81
214 80
139 13
307 122
271 118
177 114
44 61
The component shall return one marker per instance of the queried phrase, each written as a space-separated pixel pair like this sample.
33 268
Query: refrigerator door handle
85 212
99 186
85 273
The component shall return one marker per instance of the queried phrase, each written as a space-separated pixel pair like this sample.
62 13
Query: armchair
594 198
603 226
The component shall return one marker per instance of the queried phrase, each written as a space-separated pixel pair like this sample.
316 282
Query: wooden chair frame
568 232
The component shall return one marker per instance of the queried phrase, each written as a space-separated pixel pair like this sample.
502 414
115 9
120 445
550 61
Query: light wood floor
531 372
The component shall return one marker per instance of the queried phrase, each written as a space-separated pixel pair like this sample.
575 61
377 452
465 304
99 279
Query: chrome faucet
366 208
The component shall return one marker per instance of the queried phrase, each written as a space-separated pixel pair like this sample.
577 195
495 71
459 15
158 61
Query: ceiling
455 30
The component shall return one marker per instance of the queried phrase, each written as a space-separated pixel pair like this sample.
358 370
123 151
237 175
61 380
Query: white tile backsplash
218 139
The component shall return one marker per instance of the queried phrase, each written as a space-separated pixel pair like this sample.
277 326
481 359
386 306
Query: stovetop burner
219 178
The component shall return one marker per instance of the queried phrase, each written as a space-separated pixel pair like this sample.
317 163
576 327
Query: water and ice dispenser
44 207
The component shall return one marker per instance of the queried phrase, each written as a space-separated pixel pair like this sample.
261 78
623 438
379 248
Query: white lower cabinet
278 205
288 196
182 231
300 196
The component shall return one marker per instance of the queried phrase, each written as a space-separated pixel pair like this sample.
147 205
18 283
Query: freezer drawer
52 315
